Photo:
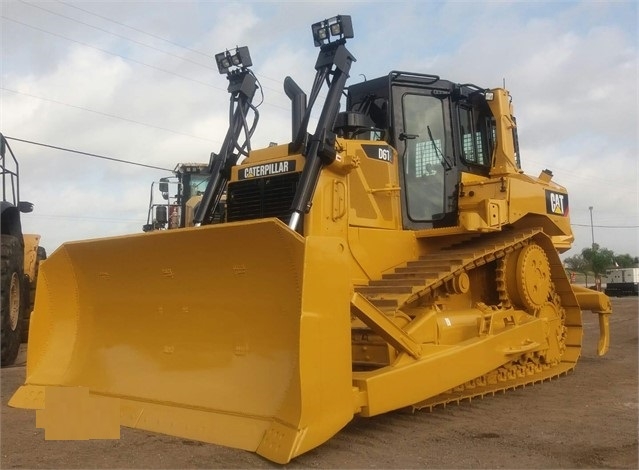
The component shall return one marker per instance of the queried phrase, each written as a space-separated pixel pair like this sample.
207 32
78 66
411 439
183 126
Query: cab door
425 149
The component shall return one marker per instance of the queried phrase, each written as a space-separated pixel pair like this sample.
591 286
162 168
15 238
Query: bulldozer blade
235 334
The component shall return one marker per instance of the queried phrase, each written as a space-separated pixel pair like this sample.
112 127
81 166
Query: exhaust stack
298 104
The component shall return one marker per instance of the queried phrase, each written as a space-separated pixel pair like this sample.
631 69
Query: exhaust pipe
298 104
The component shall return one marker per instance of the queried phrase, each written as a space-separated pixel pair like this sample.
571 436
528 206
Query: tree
578 264
625 261
600 259
597 260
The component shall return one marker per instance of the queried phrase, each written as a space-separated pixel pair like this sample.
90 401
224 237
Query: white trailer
622 281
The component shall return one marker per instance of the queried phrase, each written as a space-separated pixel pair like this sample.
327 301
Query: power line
107 114
125 58
135 41
606 226
117 35
159 69
83 217
112 53
136 29
562 173
118 160
207 55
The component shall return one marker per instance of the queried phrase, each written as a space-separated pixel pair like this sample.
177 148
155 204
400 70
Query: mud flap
234 334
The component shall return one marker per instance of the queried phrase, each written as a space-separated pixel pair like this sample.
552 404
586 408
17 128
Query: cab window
475 133
424 161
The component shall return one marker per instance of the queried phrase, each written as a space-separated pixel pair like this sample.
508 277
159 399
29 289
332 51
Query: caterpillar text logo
379 152
267 169
556 203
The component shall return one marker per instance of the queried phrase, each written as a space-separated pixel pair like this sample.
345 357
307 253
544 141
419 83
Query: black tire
41 256
12 302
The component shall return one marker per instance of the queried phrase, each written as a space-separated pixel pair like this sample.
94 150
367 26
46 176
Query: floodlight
223 63
242 55
240 58
319 33
339 26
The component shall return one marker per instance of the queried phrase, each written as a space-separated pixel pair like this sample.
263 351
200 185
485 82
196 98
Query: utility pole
592 232
592 228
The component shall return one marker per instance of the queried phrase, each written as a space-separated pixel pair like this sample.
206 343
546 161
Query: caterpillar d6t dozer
396 257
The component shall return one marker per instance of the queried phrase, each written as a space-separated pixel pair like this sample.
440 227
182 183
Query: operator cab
439 129
173 196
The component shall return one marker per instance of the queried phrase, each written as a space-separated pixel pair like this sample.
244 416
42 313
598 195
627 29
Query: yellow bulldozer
174 199
395 257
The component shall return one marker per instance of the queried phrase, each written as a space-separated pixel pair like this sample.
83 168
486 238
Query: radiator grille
262 197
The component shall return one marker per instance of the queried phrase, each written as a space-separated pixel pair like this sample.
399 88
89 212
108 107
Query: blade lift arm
242 86
334 60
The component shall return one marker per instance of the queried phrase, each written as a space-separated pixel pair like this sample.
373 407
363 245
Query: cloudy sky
137 81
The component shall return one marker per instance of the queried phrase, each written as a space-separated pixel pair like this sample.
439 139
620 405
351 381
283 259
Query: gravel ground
587 419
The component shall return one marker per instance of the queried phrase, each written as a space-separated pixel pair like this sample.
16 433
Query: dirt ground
587 419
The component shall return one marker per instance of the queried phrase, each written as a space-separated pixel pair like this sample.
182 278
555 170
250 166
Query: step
400 281
421 275
372 290
438 265
426 271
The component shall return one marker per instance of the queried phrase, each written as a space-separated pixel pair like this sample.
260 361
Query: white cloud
571 68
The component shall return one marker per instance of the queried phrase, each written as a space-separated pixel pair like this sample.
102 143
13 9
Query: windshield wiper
445 161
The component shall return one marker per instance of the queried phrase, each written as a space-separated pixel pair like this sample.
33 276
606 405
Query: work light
339 26
239 57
